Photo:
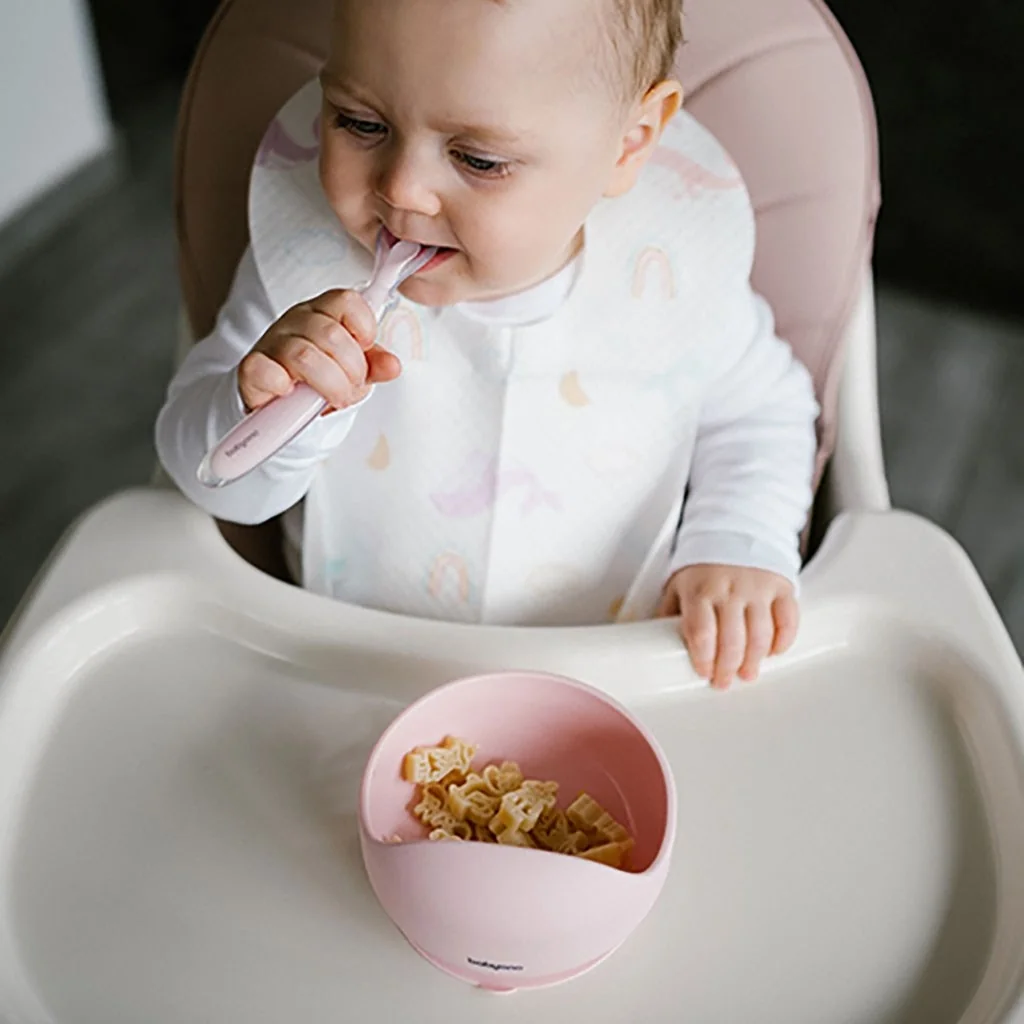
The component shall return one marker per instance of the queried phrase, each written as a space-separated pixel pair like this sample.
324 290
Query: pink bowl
505 917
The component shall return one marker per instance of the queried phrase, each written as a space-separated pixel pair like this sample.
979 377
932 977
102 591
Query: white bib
520 475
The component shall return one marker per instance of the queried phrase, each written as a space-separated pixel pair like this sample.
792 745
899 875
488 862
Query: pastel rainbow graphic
448 569
480 483
280 151
402 334
654 261
692 177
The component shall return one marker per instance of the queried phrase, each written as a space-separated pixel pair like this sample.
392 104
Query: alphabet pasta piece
514 837
471 801
434 813
435 764
519 812
503 779
443 835
553 832
589 816
612 854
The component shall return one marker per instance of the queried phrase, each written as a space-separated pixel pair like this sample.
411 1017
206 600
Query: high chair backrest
776 80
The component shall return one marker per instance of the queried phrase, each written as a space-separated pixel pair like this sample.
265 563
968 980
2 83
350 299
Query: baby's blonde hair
646 35
643 36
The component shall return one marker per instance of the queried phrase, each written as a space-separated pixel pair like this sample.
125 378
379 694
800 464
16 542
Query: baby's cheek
511 245
347 187
494 251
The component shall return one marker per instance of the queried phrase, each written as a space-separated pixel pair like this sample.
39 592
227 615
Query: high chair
181 734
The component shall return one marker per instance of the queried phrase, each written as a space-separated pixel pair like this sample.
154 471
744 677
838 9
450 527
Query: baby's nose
403 182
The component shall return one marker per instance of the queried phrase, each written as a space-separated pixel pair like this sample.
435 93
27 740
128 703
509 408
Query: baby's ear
643 132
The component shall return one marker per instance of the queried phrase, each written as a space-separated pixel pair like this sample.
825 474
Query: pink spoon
266 431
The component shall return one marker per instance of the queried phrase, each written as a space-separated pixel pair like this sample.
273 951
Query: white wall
53 114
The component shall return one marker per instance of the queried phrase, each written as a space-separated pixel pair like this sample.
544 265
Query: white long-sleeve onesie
516 474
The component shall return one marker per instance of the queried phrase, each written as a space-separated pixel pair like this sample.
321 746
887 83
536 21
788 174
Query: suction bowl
506 917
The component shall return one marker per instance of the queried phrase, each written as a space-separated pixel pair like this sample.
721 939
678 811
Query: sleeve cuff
736 549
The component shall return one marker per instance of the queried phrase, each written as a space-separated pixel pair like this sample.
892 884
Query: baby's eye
486 167
359 127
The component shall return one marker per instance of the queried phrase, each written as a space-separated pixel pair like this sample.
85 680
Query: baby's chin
443 286
426 292
450 284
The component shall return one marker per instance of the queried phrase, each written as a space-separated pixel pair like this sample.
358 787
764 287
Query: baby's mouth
443 255
444 252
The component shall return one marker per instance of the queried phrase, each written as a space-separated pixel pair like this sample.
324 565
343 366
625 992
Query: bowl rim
669 832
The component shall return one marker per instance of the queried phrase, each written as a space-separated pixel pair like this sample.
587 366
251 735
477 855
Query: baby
585 352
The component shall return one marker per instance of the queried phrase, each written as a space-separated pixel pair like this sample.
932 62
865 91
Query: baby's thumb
382 366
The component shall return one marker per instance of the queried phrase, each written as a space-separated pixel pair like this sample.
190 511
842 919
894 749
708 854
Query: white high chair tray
181 740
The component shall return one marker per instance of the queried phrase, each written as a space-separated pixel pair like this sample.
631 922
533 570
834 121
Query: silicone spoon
266 431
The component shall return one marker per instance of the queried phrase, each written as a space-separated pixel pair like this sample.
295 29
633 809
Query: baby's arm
737 555
204 402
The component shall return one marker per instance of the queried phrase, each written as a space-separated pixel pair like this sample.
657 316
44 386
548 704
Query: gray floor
89 323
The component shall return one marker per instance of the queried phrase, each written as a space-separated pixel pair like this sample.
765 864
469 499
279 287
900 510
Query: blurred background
88 297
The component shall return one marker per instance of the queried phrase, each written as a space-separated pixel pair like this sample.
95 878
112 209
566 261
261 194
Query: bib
531 474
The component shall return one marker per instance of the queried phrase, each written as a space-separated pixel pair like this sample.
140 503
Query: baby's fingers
335 340
732 643
307 362
787 621
352 311
699 631
261 379
760 636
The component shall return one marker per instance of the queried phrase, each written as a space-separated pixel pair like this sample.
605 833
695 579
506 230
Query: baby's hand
731 618
327 343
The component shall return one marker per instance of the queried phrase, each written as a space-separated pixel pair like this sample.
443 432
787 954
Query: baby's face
479 126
